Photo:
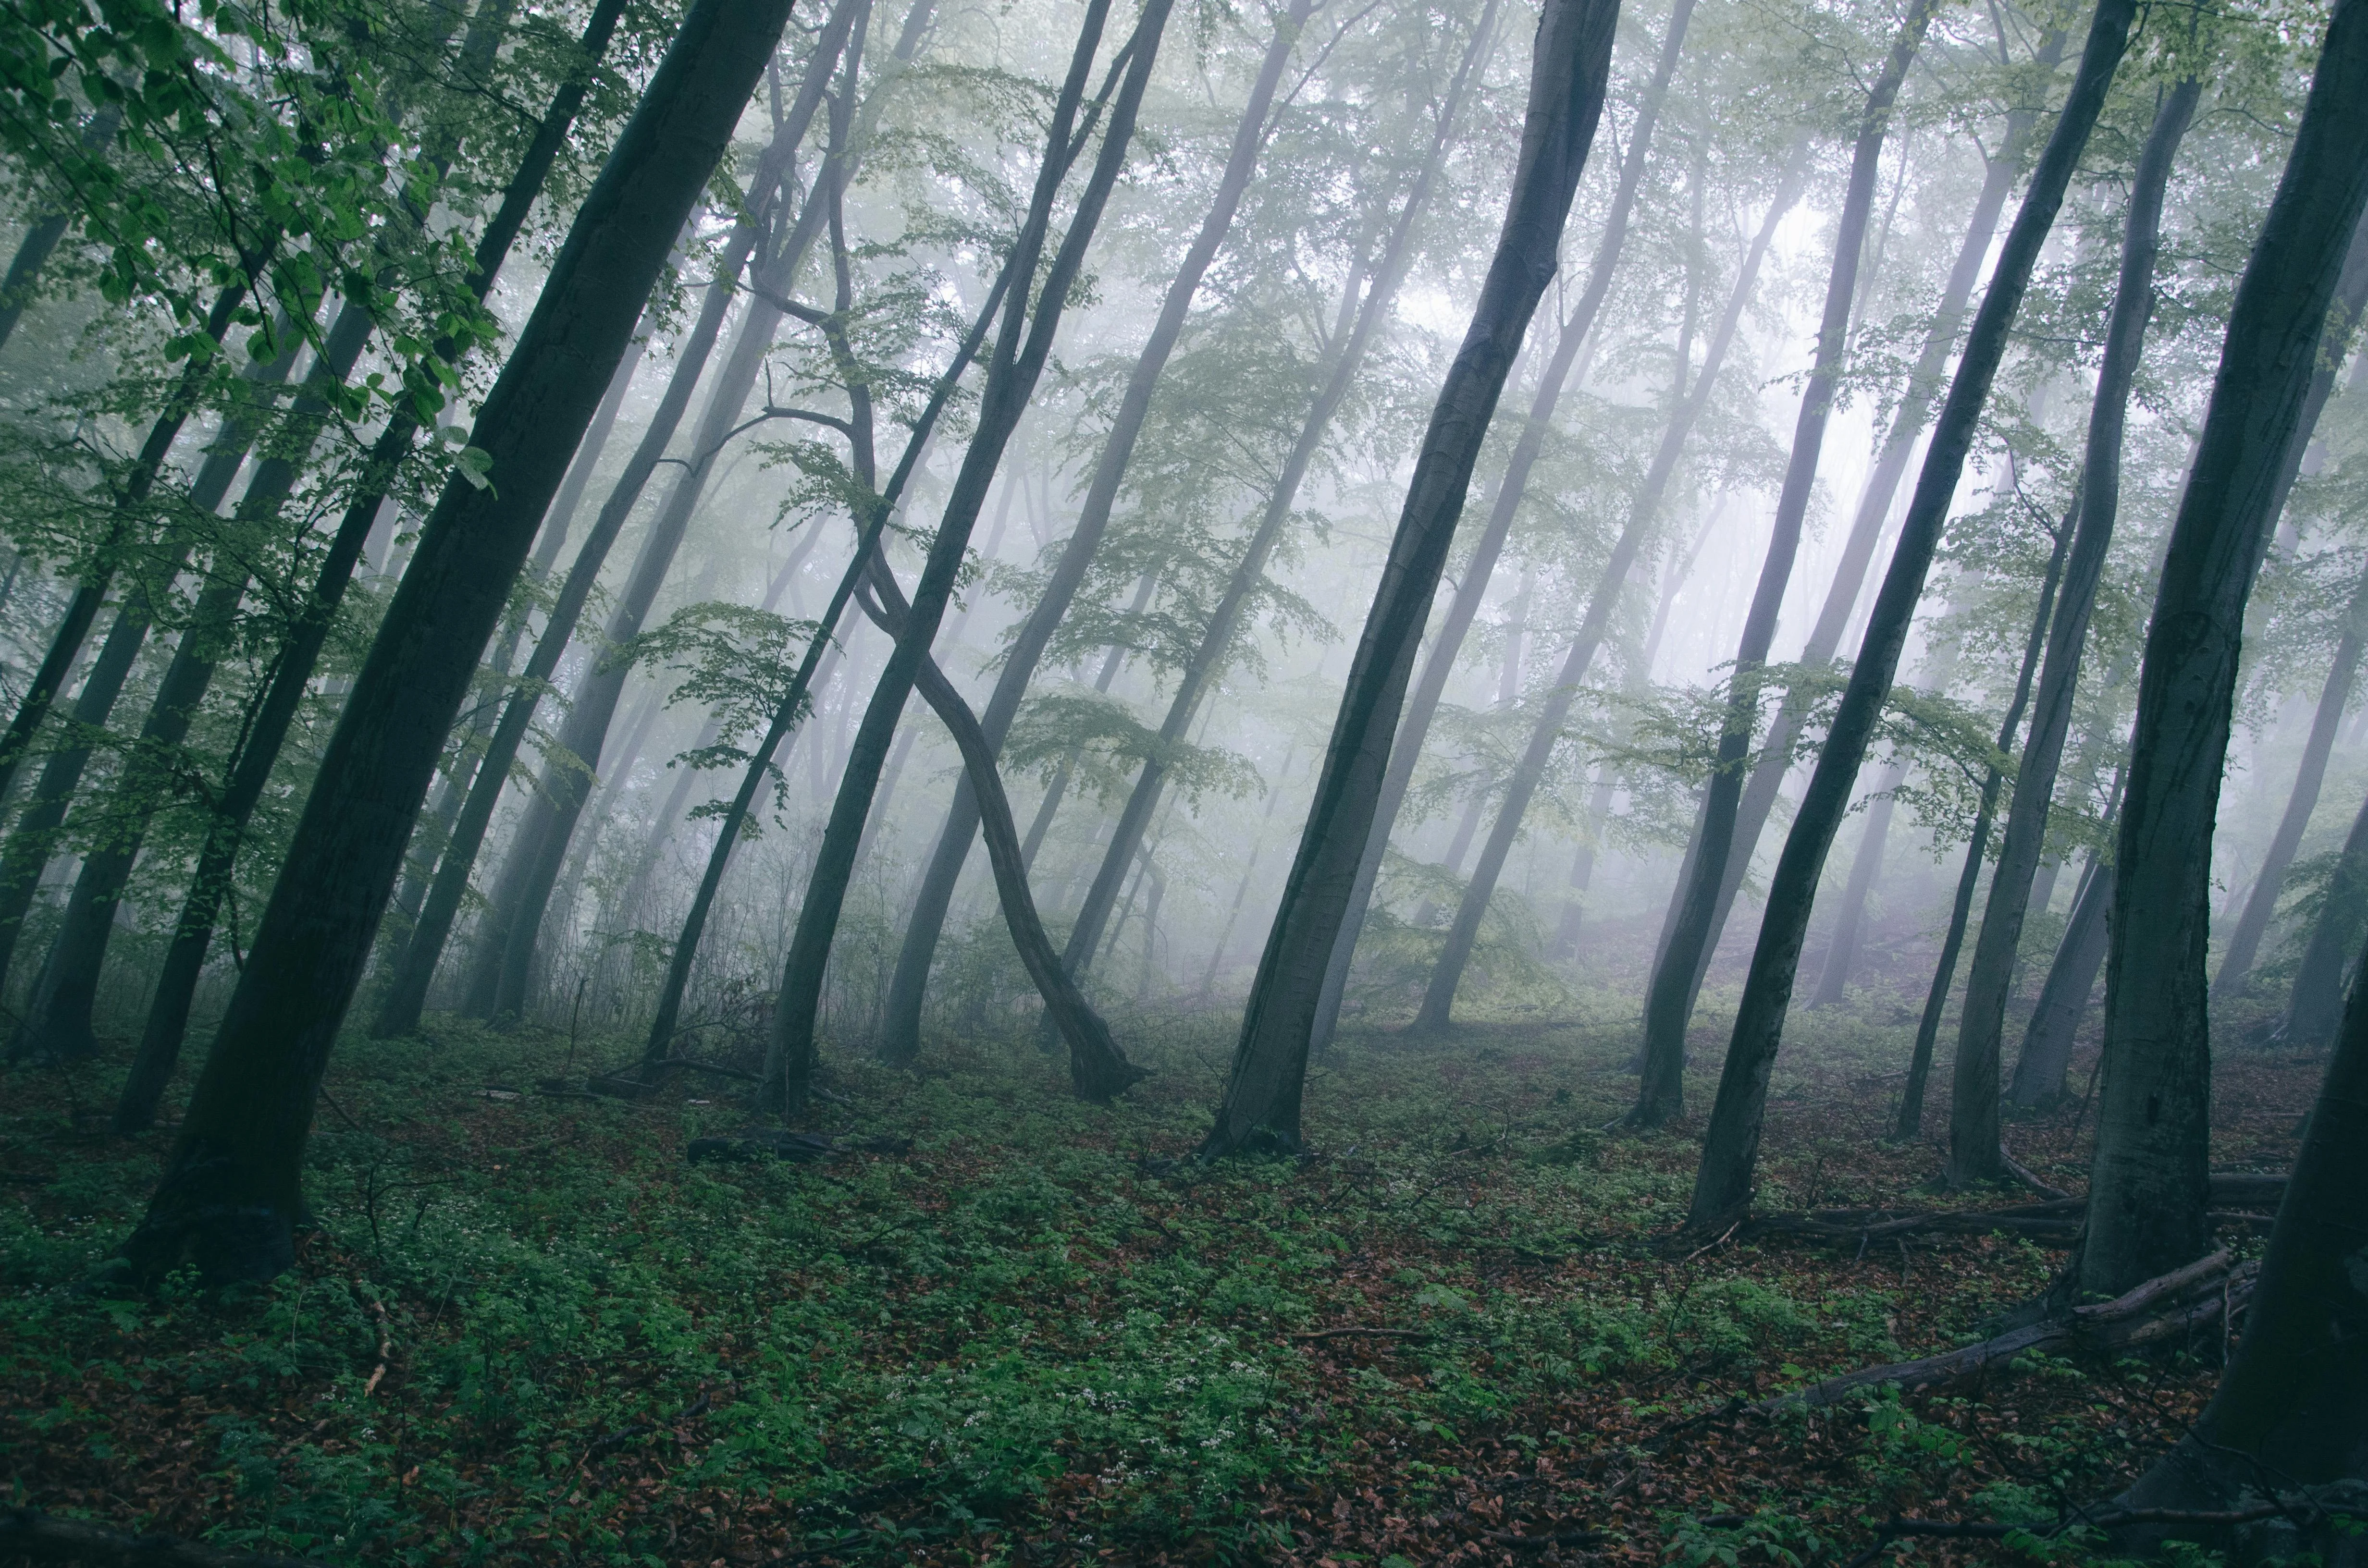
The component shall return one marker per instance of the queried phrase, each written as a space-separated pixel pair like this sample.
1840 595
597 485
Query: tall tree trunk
901 1031
406 993
2245 941
2316 1004
1866 870
42 236
1023 343
1569 65
1643 513
230 1195
1669 999
2046 1056
1112 662
2148 1183
1249 871
1209 659
1422 702
1722 1186
1907 423
1974 1155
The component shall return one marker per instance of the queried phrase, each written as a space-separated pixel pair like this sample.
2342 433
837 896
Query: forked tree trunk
230 1195
1722 1184
1975 1152
1209 659
1644 515
1568 68
901 1031
1022 345
1422 702
2149 1185
1670 998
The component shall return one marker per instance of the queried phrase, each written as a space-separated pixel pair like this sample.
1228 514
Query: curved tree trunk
230 1195
900 1031
1643 513
1569 65
1722 1184
1670 998
2148 1187
1974 1152
1422 702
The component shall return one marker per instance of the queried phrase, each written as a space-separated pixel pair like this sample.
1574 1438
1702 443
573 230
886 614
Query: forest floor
528 1331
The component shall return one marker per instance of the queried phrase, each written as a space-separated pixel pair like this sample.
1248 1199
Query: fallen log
799 1148
2054 1219
31 1534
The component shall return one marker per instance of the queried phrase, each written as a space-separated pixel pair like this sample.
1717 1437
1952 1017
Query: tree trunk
2147 1187
1011 378
229 1196
2315 1008
2046 1057
1644 513
1866 870
2245 941
406 994
1874 505
1670 998
42 236
1249 871
1422 702
1722 1186
1208 660
1974 1152
1568 68
900 1031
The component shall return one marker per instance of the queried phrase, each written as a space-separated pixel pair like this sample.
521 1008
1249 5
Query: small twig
1725 1237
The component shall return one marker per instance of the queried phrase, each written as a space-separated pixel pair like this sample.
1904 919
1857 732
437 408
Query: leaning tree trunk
1022 345
1669 997
1974 1152
1568 68
1422 702
1866 870
406 993
1208 660
1906 425
2149 1185
1644 513
900 1031
1722 1184
42 238
2046 1056
2316 1004
230 1195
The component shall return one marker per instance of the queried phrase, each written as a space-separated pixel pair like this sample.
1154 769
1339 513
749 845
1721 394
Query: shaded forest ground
527 1330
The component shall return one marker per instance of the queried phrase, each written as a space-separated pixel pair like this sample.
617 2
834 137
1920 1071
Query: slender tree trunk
1422 702
2316 1004
900 1031
2245 941
1908 425
1644 515
406 995
1209 660
1722 1186
42 238
1011 378
1866 869
1568 68
1974 1153
2046 1057
2147 1187
1046 808
230 1194
1669 1000
1249 871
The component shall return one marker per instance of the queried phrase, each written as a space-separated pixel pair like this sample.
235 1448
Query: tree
1669 1000
2150 1184
2316 1006
1722 1184
229 1198
1569 66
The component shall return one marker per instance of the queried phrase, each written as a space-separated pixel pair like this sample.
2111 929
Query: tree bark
1975 1152
2046 1056
2147 1187
900 1031
1866 870
1208 660
229 1196
1644 513
1422 702
1722 1184
2316 1007
1670 998
1023 343
1569 65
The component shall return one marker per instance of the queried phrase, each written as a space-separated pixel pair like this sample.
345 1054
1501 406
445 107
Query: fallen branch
1540 1542
1362 1334
31 1534
385 1347
2022 1173
2056 1219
